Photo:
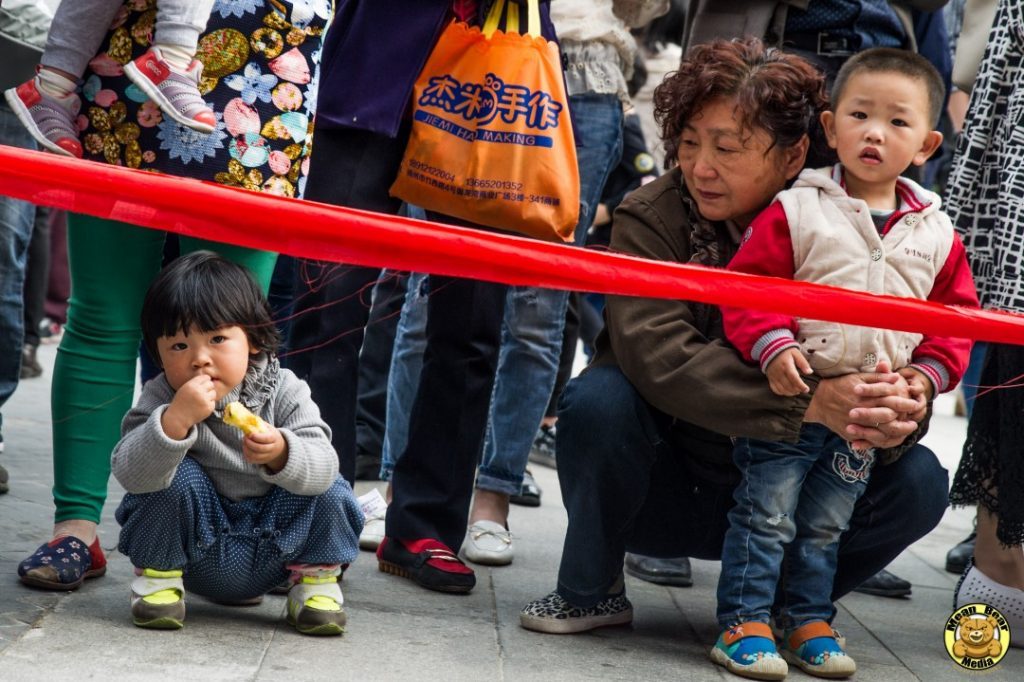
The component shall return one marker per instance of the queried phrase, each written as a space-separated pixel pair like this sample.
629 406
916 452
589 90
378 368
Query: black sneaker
30 367
885 584
957 558
675 572
554 615
543 450
50 331
3 472
529 493
367 467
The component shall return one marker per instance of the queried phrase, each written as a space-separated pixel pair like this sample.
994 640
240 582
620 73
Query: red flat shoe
427 562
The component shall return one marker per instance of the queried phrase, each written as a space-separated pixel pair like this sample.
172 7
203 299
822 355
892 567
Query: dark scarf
710 246
258 386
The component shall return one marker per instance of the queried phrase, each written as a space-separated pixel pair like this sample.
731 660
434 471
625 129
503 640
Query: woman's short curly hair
777 92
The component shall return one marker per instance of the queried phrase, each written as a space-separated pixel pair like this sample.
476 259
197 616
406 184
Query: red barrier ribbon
312 230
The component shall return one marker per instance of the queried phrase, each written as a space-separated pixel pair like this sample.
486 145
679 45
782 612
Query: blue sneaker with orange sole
748 650
814 649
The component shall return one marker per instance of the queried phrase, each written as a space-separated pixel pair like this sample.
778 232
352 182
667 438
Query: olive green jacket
675 353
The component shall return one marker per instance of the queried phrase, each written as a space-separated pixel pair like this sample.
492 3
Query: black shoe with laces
367 467
30 367
529 493
675 572
543 450
958 557
885 584
3 472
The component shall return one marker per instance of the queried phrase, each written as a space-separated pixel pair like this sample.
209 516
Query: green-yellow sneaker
315 606
158 600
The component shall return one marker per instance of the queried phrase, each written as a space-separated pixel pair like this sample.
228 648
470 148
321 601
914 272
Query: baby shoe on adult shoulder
49 120
175 92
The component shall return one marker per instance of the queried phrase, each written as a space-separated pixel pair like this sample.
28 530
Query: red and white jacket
816 232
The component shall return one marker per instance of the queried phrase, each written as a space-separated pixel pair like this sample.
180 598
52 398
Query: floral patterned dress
260 71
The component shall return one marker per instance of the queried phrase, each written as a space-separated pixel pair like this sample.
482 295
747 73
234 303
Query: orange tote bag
491 139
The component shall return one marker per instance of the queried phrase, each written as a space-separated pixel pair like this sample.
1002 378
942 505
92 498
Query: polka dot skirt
236 550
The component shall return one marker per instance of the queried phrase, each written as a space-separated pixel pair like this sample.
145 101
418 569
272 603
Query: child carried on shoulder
167 74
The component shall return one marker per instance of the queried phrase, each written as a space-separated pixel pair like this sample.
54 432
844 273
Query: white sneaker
977 587
374 510
488 543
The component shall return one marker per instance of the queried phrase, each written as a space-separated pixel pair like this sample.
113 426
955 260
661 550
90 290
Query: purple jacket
372 56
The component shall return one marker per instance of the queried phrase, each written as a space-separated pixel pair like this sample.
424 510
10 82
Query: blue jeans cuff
493 483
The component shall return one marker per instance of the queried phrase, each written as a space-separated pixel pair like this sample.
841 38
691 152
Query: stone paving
398 631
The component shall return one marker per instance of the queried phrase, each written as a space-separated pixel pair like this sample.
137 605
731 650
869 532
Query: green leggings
112 265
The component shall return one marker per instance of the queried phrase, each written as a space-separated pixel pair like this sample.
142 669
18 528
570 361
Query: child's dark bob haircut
203 292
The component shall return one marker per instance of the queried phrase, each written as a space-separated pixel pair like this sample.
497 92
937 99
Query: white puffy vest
835 242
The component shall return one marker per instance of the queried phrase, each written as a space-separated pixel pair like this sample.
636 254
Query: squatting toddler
210 511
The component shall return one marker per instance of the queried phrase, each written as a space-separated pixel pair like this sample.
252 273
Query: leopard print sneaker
554 615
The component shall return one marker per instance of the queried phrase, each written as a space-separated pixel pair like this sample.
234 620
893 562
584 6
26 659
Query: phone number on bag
483 183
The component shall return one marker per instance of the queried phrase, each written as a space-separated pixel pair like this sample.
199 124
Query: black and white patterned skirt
991 471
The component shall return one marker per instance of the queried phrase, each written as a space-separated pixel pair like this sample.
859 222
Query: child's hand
920 390
784 372
192 403
268 448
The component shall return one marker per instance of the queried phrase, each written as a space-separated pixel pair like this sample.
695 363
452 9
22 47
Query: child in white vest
858 225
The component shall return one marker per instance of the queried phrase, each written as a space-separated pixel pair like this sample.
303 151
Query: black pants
433 480
37 274
375 362
627 487
351 168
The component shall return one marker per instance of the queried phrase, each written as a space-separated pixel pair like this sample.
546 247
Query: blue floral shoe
813 647
63 564
748 650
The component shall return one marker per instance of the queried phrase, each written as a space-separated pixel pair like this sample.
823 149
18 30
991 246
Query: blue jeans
531 337
404 375
795 499
634 479
531 334
236 550
972 375
16 220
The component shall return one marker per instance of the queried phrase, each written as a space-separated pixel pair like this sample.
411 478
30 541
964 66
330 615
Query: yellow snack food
236 414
